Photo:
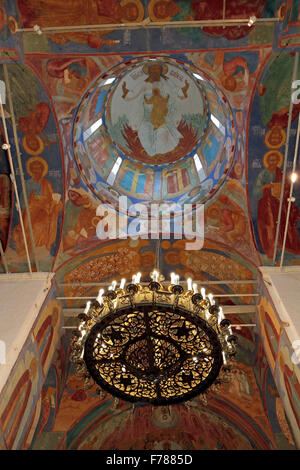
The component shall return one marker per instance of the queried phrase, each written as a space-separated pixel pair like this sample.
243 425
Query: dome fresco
154 129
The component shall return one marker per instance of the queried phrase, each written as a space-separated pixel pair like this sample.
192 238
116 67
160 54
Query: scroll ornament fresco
122 259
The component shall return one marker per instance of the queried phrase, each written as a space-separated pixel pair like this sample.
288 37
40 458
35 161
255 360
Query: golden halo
151 11
37 159
12 24
268 137
33 151
282 11
213 211
145 67
229 82
140 9
165 68
275 152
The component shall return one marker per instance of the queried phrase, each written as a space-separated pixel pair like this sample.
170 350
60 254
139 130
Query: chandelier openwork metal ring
153 343
161 356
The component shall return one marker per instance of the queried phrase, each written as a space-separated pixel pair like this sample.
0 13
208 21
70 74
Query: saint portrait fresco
44 207
267 190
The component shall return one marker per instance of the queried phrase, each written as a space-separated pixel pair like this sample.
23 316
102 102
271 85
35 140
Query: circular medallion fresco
155 113
154 129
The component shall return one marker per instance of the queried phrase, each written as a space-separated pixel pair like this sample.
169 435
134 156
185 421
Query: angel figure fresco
68 79
47 13
44 207
232 223
154 113
81 220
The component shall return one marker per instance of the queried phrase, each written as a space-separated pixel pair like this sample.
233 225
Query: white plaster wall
21 298
283 285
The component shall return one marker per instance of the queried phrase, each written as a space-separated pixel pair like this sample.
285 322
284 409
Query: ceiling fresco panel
49 13
11 44
286 33
42 165
68 79
266 150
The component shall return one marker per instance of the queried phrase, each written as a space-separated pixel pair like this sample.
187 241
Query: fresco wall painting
32 12
279 353
20 397
43 171
266 150
233 418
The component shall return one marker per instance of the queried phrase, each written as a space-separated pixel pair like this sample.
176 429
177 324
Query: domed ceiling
154 129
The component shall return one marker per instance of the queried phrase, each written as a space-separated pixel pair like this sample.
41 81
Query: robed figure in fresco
156 116
267 191
44 208
83 12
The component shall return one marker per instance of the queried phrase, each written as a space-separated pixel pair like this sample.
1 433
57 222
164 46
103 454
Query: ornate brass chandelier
153 343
